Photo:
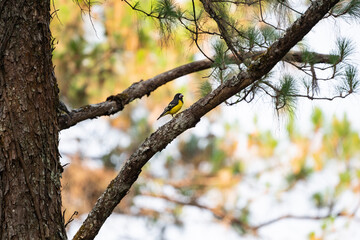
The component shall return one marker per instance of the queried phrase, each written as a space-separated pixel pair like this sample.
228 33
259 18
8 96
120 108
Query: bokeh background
244 172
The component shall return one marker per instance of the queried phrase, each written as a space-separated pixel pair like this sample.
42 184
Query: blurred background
244 172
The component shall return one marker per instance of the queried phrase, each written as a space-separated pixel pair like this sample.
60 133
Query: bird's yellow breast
176 108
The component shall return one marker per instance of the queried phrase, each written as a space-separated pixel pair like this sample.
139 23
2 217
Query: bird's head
179 96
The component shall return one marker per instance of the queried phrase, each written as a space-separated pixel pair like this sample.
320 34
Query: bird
63 108
174 106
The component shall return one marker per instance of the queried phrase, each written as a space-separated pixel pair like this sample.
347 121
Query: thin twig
305 217
196 32
209 8
71 217
263 19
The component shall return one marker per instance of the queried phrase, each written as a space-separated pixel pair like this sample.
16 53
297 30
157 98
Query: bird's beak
181 96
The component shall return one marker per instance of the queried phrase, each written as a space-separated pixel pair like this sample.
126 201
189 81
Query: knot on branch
63 120
119 99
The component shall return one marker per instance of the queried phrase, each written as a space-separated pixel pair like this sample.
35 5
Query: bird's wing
169 107
172 104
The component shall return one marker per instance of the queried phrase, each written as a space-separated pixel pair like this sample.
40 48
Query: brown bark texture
30 171
158 140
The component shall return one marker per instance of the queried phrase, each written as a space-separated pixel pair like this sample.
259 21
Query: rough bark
142 88
30 199
158 140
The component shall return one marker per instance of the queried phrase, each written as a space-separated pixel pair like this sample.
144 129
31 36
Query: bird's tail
161 115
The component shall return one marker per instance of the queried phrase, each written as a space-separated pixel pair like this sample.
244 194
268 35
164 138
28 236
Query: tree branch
142 88
217 213
158 140
234 220
136 90
305 217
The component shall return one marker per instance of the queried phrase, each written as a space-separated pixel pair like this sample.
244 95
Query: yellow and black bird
174 106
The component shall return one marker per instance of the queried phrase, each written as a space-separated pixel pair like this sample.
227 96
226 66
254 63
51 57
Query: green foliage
269 35
223 70
344 48
223 75
165 11
303 174
136 5
320 199
244 219
291 126
307 85
238 168
334 59
286 94
245 215
342 128
350 82
217 158
253 37
341 141
86 4
168 14
317 118
328 222
345 177
222 10
268 139
221 59
308 57
266 142
205 88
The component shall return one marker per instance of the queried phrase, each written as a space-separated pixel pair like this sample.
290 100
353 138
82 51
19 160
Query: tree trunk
30 171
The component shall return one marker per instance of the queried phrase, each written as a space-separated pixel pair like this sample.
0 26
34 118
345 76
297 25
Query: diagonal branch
158 140
142 88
